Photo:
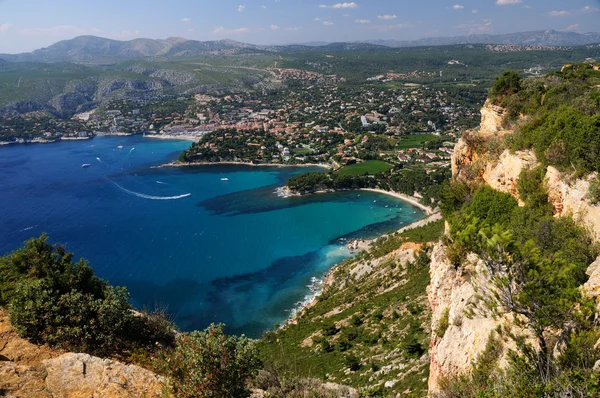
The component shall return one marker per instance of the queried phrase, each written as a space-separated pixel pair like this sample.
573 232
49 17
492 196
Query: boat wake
151 197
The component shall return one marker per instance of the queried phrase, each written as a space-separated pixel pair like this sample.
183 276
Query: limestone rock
81 375
571 198
491 118
466 337
592 286
504 175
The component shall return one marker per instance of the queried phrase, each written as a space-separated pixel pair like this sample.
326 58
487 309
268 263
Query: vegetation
370 167
536 264
359 325
211 364
54 300
408 181
562 112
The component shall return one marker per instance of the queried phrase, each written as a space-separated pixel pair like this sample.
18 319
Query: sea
207 244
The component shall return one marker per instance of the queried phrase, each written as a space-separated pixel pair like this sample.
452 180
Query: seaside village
316 119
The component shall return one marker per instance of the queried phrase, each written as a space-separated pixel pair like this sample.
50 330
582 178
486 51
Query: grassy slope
415 140
368 167
380 318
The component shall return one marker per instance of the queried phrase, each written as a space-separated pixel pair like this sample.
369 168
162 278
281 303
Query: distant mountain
98 50
535 38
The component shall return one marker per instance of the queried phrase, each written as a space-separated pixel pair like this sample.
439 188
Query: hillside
370 327
515 279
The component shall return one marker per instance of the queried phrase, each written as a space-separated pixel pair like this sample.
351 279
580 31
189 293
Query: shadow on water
248 303
265 199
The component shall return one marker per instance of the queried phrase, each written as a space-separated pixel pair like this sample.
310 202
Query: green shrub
61 303
211 364
352 362
443 323
594 192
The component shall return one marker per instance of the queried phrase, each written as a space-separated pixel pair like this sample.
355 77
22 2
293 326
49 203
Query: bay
208 244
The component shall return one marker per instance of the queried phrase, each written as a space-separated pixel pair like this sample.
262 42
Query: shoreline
320 284
406 198
173 137
199 164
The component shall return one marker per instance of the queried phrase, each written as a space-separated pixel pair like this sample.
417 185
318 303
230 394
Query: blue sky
29 24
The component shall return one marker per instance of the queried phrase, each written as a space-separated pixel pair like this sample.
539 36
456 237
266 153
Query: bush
443 323
211 364
61 303
508 83
352 363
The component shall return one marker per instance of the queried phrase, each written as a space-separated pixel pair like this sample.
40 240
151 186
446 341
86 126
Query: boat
224 179
120 147
85 165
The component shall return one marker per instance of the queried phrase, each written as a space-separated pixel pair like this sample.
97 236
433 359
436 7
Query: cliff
454 292
29 370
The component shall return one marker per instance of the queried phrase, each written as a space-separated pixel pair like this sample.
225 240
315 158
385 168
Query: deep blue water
208 250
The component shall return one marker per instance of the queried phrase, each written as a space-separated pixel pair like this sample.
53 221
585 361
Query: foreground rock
81 375
29 370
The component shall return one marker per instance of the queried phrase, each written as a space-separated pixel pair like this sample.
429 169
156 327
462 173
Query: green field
302 151
415 141
368 167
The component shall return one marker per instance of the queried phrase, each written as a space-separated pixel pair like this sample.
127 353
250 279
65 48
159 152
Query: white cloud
567 13
274 27
385 28
485 27
223 31
474 12
345 15
263 7
507 2
387 17
458 7
241 7
4 28
340 5
328 23
362 21
572 27
185 20
562 13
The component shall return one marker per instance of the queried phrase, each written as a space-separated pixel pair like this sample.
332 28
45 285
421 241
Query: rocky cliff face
29 370
452 292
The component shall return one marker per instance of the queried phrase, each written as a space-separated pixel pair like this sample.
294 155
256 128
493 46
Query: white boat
85 165
120 147
224 179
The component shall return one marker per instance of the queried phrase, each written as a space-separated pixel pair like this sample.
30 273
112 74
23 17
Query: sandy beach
196 164
409 199
173 137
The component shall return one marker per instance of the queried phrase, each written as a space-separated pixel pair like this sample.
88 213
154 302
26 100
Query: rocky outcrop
570 197
81 375
492 117
29 370
452 293
504 175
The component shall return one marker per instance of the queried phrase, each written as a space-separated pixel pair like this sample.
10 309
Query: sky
26 25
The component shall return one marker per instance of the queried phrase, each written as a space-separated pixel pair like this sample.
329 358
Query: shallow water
182 238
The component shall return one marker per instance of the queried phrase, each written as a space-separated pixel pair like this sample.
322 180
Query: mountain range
97 50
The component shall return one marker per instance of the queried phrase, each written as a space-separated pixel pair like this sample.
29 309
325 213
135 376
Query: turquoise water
207 249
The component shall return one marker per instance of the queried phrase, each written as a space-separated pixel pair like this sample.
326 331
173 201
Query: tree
211 364
542 292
